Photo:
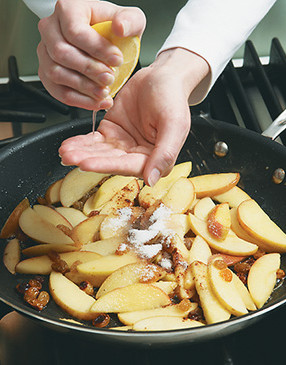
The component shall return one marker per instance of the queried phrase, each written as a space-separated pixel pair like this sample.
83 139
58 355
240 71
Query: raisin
102 320
60 266
35 283
220 264
86 287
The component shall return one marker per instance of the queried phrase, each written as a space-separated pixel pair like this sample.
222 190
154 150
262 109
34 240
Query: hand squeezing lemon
130 48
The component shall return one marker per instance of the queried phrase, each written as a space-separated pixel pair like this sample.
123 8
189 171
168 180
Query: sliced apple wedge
74 216
11 225
70 298
230 260
104 247
214 184
177 201
51 215
34 226
106 265
203 207
168 287
222 284
257 224
232 245
244 293
108 189
148 195
166 323
131 298
262 278
233 197
213 310
179 244
200 251
181 309
42 264
45 248
218 221
86 231
76 184
240 232
52 195
179 223
12 254
139 272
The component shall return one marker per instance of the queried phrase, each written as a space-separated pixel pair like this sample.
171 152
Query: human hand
74 60
143 133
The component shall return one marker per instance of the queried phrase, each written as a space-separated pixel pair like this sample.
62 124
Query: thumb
128 22
169 141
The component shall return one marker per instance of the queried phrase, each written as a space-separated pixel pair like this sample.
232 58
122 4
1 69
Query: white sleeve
215 29
42 8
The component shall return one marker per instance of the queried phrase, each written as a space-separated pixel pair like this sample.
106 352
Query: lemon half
130 48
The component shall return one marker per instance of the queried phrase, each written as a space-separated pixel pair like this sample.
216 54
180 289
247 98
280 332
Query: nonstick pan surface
30 165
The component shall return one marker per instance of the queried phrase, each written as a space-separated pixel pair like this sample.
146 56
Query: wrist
189 67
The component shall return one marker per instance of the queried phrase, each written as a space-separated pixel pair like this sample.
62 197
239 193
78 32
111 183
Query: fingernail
154 177
126 28
105 79
101 93
115 60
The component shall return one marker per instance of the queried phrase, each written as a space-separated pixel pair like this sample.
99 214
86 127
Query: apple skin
149 195
262 278
77 183
52 195
175 200
130 298
11 225
70 297
12 254
258 225
214 184
218 221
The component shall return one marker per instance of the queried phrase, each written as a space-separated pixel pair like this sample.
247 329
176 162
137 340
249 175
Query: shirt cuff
214 30
42 8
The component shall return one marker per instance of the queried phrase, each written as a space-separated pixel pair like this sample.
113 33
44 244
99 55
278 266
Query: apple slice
218 221
131 298
41 265
138 272
77 183
51 215
74 216
12 254
203 207
166 323
108 189
104 247
149 195
213 310
233 197
232 245
86 231
179 244
106 265
45 248
34 226
70 298
262 278
181 309
200 251
168 287
222 284
180 195
230 260
11 225
244 293
52 195
240 232
214 184
179 223
258 225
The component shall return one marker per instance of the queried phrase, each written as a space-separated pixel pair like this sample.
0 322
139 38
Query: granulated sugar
124 215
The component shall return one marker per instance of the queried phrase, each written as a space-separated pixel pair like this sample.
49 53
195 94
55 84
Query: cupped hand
75 62
143 133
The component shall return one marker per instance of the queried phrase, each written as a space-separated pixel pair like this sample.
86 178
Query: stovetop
250 96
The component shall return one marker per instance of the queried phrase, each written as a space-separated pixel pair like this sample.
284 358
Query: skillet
29 165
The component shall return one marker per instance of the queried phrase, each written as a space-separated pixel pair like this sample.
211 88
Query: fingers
170 139
129 22
131 164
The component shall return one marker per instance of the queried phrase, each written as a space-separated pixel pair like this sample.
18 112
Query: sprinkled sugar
124 215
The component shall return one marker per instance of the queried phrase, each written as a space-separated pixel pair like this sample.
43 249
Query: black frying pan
30 165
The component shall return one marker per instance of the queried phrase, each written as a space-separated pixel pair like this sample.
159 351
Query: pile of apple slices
149 252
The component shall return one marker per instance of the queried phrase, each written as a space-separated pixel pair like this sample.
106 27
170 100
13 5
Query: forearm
215 30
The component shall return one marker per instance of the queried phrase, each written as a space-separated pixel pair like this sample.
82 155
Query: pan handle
277 127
